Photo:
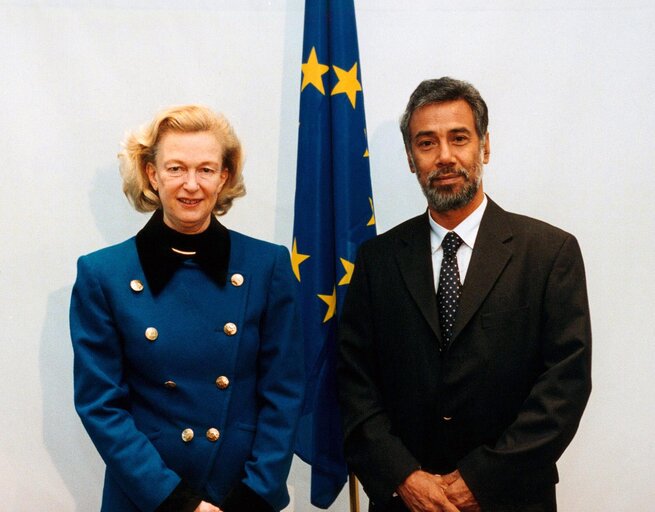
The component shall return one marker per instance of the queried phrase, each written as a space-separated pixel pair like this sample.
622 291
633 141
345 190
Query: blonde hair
140 148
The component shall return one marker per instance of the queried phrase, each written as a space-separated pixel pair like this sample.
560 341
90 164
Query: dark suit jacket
504 400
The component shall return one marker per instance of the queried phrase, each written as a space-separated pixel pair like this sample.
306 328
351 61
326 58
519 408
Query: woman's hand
207 507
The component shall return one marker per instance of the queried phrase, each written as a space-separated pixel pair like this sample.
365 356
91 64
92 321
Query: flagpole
353 491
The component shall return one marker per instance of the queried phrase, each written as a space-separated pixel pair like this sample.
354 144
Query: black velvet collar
159 262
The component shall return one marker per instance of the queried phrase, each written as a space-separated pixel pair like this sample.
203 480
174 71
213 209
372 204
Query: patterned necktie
450 287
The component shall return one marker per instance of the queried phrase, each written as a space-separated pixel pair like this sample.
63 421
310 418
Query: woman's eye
207 170
174 169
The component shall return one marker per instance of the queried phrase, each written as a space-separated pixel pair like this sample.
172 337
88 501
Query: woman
188 367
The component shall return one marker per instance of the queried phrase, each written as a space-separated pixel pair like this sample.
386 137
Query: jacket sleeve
549 417
102 398
373 452
280 387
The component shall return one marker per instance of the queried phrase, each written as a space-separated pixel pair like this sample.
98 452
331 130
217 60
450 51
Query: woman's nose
191 180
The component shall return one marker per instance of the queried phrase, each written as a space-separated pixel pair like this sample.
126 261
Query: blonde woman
188 367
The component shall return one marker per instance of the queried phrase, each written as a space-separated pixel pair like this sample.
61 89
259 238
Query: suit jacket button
222 382
136 285
170 384
187 435
213 434
151 333
236 279
230 329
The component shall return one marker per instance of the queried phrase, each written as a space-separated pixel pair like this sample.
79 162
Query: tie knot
451 243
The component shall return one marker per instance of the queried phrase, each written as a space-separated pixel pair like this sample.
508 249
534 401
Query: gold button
230 329
187 435
136 285
236 279
170 384
151 333
222 382
213 434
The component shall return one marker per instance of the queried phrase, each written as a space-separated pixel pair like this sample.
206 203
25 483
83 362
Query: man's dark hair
443 89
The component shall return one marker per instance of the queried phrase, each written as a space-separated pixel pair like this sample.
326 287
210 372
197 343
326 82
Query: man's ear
486 150
410 161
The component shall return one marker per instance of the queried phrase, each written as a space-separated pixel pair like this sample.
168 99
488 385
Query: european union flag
333 215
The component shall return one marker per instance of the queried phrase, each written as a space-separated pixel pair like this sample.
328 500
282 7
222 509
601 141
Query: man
465 341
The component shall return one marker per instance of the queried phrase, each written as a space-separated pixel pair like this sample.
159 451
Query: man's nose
445 156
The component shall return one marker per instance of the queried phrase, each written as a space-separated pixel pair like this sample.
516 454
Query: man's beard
445 198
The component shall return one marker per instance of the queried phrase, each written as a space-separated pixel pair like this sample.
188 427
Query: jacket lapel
415 262
490 256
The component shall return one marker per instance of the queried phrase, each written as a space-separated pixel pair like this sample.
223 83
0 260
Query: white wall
570 90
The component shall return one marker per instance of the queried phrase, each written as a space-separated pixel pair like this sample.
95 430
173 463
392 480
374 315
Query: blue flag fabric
333 215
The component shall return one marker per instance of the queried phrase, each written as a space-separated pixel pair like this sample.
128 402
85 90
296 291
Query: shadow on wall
72 453
289 110
114 217
396 192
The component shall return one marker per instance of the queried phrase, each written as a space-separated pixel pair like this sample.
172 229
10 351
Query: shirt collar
467 229
159 262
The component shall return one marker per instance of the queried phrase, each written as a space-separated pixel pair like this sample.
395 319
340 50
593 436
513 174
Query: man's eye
425 143
461 139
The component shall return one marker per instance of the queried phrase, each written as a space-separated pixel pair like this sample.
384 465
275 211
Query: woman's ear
151 172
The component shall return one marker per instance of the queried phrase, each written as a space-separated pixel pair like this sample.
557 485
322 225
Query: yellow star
348 83
313 71
348 267
371 221
297 259
331 301
365 155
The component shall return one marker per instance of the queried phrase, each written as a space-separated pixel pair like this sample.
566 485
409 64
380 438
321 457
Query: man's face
446 154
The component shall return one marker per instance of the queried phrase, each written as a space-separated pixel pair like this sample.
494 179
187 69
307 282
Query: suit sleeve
373 452
549 417
102 398
280 390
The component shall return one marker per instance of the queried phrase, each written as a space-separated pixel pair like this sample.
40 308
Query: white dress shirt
467 231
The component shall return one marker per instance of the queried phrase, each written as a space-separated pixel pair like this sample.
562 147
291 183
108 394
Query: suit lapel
415 261
490 256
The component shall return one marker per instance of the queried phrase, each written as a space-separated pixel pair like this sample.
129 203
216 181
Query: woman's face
188 175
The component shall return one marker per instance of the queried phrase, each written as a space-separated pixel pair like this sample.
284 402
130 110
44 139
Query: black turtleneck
155 243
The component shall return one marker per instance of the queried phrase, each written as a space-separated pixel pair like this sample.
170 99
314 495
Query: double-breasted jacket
202 381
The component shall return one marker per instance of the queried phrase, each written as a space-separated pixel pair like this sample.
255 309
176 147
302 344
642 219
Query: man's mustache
448 171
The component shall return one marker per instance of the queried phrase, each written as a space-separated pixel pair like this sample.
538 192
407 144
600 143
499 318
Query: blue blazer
201 382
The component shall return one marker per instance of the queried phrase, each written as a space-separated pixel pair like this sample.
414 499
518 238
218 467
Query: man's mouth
447 176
